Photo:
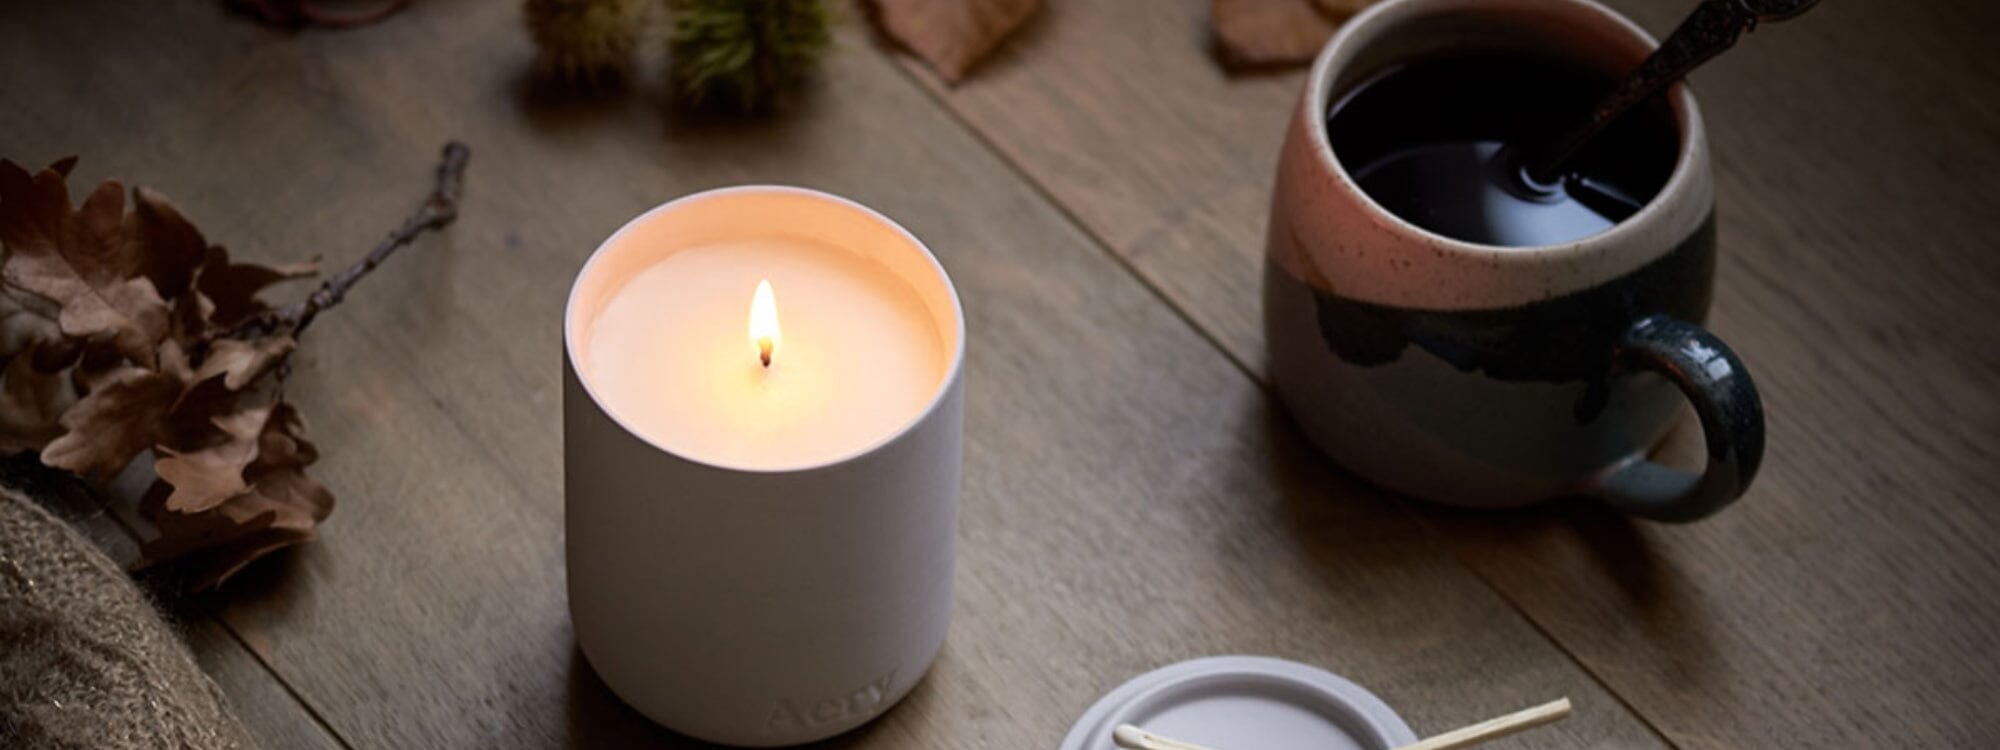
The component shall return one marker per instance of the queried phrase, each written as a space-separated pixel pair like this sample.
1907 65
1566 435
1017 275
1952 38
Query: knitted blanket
85 661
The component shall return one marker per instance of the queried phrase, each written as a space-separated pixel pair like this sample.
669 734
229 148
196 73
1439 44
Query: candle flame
764 333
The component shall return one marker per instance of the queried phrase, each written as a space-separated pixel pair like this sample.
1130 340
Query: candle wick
764 350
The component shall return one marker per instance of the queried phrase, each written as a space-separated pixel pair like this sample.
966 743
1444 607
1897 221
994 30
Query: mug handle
1732 424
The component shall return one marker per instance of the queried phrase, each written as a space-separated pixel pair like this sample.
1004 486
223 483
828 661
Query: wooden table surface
1132 494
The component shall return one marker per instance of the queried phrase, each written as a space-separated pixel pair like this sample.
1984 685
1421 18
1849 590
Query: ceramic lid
1244 703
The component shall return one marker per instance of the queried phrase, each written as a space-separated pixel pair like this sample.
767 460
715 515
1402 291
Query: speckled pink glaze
1327 233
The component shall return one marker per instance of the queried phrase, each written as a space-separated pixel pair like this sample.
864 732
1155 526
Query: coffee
1428 141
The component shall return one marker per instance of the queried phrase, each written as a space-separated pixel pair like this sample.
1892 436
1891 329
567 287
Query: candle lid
1244 703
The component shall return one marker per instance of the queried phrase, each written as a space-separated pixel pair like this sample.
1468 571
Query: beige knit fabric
85 662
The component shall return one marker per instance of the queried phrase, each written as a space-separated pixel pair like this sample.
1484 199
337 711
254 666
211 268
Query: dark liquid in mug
1424 141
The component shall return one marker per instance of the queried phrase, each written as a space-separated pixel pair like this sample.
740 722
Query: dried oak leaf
100 312
232 287
1277 32
81 258
114 422
188 322
204 478
190 423
217 543
262 451
952 35
241 362
169 248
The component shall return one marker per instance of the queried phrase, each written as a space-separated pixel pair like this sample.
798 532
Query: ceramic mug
1488 376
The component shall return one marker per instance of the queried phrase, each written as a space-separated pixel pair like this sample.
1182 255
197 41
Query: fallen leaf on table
111 425
123 331
239 362
1276 32
203 516
217 543
952 35
279 475
190 423
204 478
170 248
80 258
232 287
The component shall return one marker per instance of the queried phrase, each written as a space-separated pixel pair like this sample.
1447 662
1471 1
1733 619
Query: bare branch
437 211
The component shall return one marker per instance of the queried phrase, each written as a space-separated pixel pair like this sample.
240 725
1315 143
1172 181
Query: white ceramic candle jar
761 513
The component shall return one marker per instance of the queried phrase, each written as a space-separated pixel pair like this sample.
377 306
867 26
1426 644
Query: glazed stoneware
1487 376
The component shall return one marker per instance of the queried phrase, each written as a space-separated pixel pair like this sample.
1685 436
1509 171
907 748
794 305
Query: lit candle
762 413
860 356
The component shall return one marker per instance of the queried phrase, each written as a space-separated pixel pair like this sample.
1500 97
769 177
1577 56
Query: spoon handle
1705 33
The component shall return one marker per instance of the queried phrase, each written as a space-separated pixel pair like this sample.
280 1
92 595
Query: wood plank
1847 600
1119 112
1130 498
275 719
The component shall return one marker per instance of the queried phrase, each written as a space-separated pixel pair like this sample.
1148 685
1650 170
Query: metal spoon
1712 27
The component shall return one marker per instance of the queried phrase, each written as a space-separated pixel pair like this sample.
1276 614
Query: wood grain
1130 498
1122 113
1849 600
274 718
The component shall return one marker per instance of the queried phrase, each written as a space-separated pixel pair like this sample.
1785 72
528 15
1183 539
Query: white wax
670 355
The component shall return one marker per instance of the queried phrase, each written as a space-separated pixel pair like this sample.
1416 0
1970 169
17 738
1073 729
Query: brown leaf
240 362
214 542
223 561
233 287
169 247
32 403
1275 32
952 35
279 474
203 479
32 206
190 424
279 506
129 312
81 259
110 426
96 363
189 321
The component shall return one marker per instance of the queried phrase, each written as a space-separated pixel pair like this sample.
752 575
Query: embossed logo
788 715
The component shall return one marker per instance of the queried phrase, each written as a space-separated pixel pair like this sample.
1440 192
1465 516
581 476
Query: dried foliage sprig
123 332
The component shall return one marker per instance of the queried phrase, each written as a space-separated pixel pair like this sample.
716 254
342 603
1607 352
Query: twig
438 210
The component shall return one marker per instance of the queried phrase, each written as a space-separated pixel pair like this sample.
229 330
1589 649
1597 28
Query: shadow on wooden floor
1337 517
597 718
